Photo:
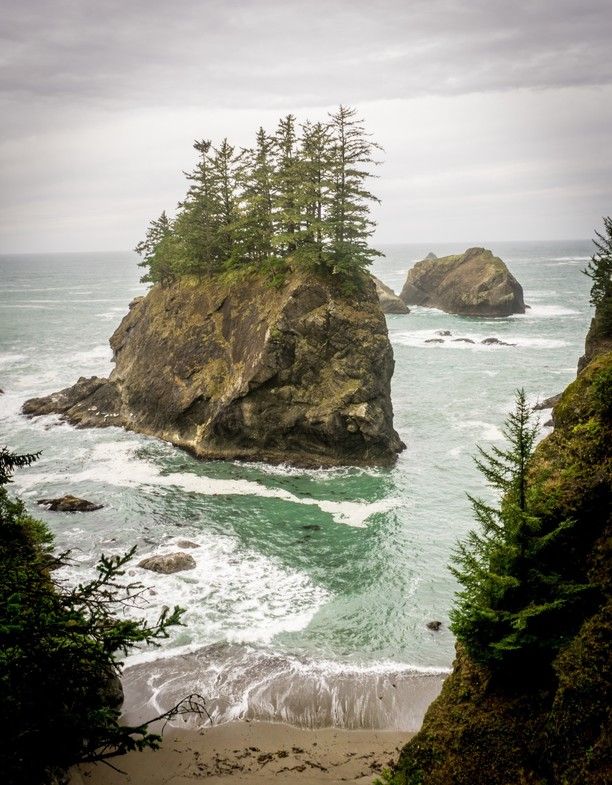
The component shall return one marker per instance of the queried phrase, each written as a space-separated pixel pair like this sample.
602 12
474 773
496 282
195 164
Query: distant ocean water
338 609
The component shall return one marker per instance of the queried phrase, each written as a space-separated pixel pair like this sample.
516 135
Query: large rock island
298 373
474 283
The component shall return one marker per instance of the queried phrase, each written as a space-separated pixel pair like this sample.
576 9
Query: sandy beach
253 752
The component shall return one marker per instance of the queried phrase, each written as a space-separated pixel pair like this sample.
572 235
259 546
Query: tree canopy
297 198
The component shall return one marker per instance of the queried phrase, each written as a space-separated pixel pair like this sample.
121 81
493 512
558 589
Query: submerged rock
496 342
463 340
168 563
298 374
389 301
475 283
69 503
434 625
187 544
434 340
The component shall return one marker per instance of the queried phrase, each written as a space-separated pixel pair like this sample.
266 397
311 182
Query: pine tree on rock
157 252
198 221
316 182
288 203
599 270
286 188
255 174
225 166
349 214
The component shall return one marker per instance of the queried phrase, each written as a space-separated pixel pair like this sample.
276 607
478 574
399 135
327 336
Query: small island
474 283
262 337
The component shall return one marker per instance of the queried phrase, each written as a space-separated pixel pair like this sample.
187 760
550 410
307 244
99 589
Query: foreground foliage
60 650
518 603
297 198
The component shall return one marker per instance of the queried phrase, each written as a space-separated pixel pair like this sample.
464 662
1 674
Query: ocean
313 588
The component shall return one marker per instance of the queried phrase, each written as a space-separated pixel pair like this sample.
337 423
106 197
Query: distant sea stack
299 374
389 301
474 283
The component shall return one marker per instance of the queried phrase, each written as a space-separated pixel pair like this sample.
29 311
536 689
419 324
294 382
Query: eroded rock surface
389 301
299 374
475 283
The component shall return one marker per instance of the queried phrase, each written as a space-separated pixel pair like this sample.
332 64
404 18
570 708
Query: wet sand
254 752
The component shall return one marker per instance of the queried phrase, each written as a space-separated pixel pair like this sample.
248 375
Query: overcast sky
495 116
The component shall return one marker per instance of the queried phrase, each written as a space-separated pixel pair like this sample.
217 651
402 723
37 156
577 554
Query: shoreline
253 752
244 683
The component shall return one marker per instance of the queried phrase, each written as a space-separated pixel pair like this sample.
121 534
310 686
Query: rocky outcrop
548 403
475 283
69 503
168 563
298 374
389 301
546 722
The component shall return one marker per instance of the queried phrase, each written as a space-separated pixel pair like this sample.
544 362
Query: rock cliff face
549 724
298 374
475 283
389 301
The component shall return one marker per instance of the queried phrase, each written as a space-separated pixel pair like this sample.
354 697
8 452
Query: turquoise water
357 588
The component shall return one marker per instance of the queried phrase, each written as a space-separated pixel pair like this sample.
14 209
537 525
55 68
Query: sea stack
474 283
298 373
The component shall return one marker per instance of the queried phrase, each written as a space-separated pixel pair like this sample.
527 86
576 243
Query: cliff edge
299 374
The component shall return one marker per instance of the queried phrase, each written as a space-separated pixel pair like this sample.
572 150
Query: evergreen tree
315 185
157 251
514 602
199 220
225 166
286 188
599 270
349 214
288 199
255 179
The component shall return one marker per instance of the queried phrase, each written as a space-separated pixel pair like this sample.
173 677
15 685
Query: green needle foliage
515 603
297 199
60 651
599 270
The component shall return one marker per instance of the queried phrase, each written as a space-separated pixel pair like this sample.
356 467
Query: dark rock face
168 563
298 374
475 283
389 301
69 504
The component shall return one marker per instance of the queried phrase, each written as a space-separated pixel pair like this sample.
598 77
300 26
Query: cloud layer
502 103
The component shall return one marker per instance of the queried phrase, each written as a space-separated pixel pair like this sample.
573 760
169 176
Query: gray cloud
494 115
279 53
